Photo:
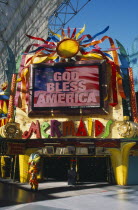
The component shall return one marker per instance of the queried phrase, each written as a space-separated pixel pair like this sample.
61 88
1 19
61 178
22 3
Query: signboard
67 85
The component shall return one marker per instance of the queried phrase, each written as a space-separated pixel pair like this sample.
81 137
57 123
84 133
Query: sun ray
73 34
68 32
53 33
40 39
84 36
63 34
54 39
97 34
81 31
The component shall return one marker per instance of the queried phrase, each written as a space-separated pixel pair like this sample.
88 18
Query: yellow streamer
23 74
81 31
58 35
94 55
4 108
105 99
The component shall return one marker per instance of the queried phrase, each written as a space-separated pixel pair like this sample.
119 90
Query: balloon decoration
66 47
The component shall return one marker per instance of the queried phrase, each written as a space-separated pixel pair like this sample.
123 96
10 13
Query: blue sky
120 15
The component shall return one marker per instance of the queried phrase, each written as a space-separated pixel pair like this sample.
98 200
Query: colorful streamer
48 52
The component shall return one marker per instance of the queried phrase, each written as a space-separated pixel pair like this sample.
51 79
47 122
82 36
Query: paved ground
60 196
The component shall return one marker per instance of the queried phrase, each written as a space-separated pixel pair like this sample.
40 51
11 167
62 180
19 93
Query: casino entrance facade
69 112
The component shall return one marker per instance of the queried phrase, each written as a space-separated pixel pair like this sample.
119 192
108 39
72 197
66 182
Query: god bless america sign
67 85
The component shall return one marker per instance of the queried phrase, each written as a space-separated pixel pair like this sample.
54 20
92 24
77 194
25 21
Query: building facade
69 104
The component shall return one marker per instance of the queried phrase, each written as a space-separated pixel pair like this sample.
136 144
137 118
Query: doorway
89 169
93 169
56 168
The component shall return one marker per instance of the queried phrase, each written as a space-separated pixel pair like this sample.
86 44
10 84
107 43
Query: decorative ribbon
84 36
63 34
115 58
69 32
111 44
31 59
58 35
17 96
73 34
102 32
50 56
54 39
114 89
40 48
40 39
113 79
80 32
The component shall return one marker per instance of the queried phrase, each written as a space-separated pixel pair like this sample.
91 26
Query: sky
120 15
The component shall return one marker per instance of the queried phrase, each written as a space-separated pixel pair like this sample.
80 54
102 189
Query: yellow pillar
119 159
3 164
23 165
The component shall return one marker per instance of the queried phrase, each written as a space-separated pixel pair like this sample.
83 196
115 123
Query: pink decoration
34 128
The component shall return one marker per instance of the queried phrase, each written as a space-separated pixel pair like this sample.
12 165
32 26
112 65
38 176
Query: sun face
67 48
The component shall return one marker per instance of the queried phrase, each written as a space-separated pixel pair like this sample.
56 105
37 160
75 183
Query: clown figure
33 170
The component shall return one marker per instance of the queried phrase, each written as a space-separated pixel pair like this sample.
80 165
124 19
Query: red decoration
34 128
114 89
113 78
68 128
15 148
99 127
133 96
108 144
81 129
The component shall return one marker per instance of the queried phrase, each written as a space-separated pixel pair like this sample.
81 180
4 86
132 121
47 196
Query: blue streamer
102 32
52 38
87 49
4 97
39 48
88 40
48 39
108 55
57 59
55 39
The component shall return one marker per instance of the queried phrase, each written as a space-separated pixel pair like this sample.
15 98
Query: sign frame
68 110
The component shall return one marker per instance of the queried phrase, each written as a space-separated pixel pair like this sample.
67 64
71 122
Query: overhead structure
20 17
65 12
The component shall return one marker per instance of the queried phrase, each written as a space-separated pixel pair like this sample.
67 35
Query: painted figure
33 170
